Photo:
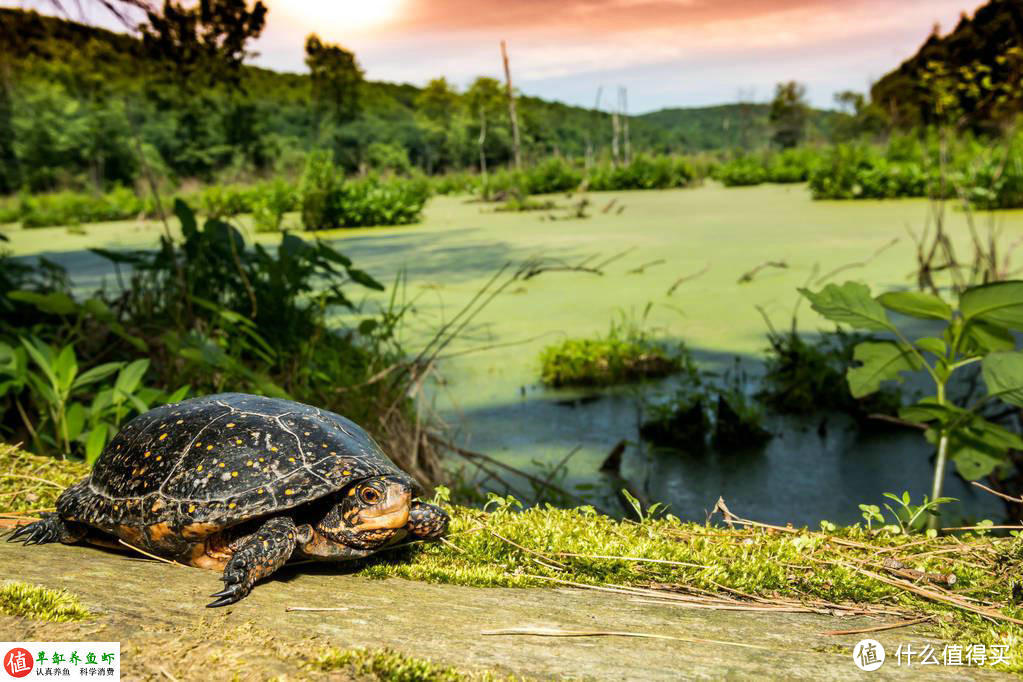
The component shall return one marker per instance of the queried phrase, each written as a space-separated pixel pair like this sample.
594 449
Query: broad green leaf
881 361
178 395
42 356
98 373
999 303
932 345
187 218
1003 374
851 304
75 420
129 378
974 459
94 444
56 303
986 337
990 434
66 368
916 304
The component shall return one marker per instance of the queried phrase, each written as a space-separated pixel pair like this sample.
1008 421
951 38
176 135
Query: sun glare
343 15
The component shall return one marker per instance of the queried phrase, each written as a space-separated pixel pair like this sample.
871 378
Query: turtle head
370 513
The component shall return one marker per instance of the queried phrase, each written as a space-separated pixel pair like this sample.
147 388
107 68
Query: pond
813 469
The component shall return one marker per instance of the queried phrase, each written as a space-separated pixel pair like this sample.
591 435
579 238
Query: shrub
644 172
741 172
226 201
74 208
272 201
320 193
387 156
555 174
625 354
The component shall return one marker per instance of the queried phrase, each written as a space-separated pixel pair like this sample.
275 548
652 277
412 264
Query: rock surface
138 600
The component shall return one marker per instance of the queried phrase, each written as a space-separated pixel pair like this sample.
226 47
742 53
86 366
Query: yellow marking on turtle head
351 492
146 453
162 436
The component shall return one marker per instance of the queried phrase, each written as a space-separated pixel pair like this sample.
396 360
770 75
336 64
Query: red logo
18 662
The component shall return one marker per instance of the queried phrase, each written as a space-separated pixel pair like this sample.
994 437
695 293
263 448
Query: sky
667 53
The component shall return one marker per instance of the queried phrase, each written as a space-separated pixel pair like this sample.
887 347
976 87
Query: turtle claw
228 595
37 533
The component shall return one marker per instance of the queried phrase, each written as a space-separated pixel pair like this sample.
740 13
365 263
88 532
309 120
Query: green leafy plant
978 330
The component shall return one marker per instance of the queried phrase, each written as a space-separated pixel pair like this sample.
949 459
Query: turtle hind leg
51 528
256 556
426 521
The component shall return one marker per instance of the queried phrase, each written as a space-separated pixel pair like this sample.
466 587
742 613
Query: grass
833 569
33 482
41 603
385 664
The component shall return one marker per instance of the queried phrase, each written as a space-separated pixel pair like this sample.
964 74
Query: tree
483 99
204 43
436 106
860 116
789 114
336 79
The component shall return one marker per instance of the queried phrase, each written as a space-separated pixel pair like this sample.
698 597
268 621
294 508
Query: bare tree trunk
615 131
590 150
482 139
511 107
627 147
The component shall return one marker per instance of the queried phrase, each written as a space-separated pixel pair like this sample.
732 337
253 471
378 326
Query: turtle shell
223 459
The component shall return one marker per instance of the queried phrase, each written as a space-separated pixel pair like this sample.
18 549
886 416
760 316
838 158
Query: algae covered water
814 468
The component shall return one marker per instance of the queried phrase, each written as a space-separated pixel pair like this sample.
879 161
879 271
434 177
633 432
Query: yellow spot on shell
232 505
209 447
159 457
307 433
191 508
261 459
221 464
272 450
180 421
324 445
289 491
248 463
234 474
231 425
199 468
146 453
238 441
346 472
291 459
162 436
260 491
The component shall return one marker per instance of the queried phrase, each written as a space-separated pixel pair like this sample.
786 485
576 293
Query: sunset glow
338 16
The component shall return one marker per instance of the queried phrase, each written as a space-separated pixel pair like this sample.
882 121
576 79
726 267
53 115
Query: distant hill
994 30
723 126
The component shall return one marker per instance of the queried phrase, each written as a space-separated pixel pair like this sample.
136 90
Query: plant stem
939 475
939 466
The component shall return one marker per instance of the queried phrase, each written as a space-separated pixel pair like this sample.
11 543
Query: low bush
741 172
75 208
625 354
555 174
644 172
272 201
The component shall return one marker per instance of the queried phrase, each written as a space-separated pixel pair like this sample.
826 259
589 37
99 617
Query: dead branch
748 276
687 278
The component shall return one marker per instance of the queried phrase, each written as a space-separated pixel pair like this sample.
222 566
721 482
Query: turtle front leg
256 556
51 528
427 521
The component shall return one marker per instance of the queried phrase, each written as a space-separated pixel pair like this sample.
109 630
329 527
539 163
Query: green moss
31 482
798 564
42 603
624 355
384 664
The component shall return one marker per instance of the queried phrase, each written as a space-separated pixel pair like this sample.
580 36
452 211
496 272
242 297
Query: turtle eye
369 496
